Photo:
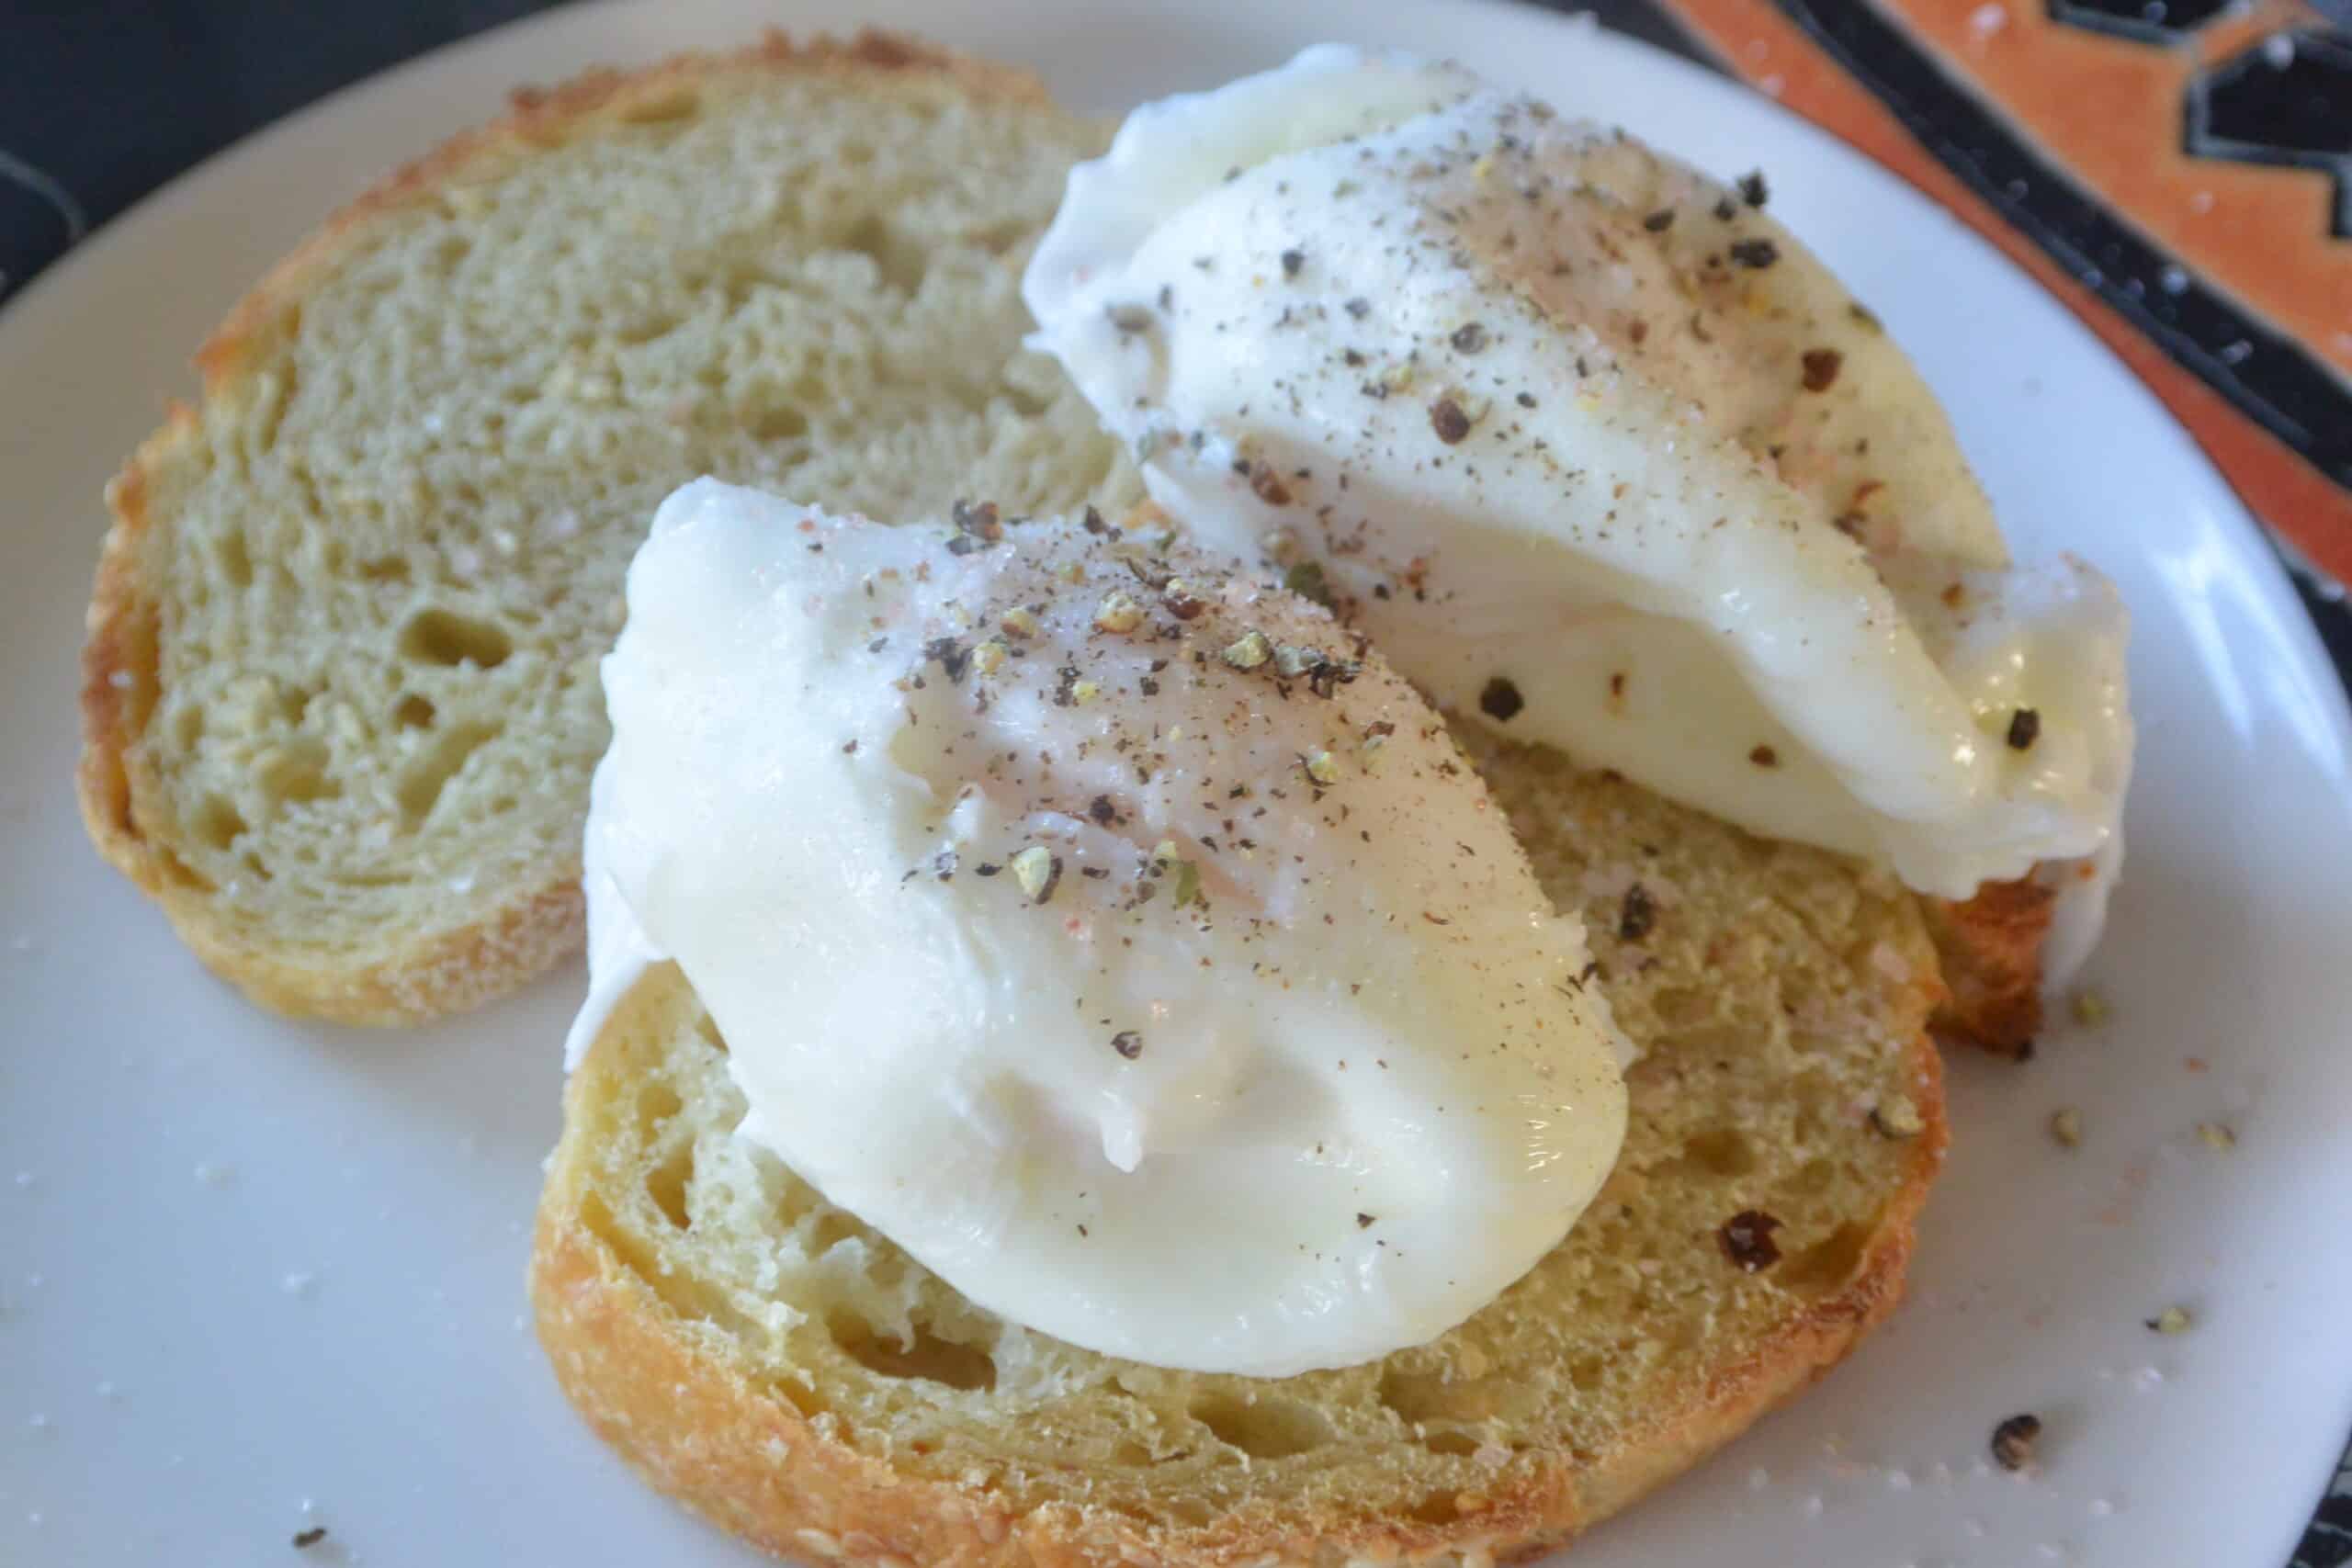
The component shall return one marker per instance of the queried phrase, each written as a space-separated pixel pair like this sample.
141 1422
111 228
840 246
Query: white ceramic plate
255 1276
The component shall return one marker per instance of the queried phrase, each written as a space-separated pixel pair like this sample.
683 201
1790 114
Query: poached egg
1123 939
1591 446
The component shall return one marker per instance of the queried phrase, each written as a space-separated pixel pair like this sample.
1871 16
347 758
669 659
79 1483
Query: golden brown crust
128 816
749 1460
1989 948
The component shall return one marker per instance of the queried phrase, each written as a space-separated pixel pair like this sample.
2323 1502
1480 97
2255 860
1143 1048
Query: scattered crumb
2216 1136
2173 1320
305 1538
2090 1009
2066 1126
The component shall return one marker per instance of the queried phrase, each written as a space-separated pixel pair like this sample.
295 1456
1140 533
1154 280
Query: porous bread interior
1779 995
389 548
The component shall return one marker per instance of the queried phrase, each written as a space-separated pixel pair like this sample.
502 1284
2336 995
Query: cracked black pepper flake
1293 259
1363 1220
951 656
1726 209
1469 338
1752 188
1526 400
1127 1044
1267 485
1748 1241
1039 871
849 748
2025 728
1307 580
307 1539
1499 700
1864 316
2013 1441
1637 915
1764 757
1448 420
984 869
1102 811
1821 367
1093 522
1758 253
1130 318
976 526
1658 223
1358 308
977 517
